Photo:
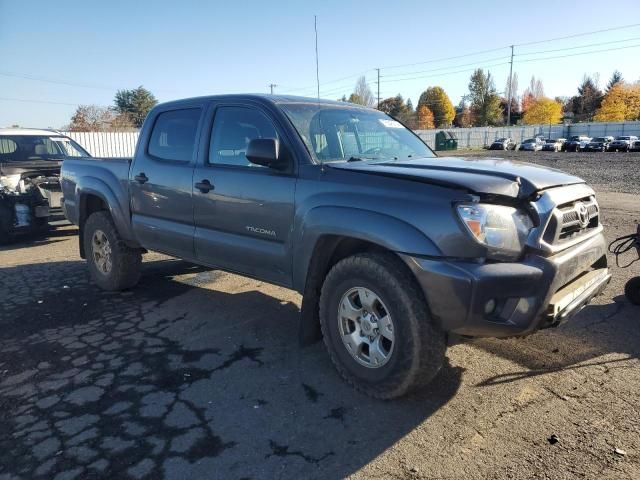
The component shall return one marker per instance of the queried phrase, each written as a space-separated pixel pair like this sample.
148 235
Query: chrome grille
574 220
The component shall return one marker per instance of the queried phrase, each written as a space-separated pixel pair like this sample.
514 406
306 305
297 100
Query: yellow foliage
621 103
424 120
543 111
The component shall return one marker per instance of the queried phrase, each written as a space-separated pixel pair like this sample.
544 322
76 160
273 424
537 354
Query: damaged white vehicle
30 162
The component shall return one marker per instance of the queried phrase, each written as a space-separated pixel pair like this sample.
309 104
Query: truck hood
42 167
493 176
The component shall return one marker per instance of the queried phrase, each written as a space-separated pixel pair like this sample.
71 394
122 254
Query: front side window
334 133
233 129
23 148
174 135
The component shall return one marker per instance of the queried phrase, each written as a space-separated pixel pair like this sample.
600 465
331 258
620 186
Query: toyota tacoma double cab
392 248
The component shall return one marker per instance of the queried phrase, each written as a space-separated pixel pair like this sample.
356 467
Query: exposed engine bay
26 202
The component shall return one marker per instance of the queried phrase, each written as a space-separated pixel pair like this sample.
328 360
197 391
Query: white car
532 144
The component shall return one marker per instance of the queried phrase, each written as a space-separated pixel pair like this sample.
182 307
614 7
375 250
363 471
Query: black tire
632 290
125 261
419 342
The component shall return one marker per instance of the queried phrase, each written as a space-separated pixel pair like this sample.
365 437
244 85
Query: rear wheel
112 264
632 290
377 327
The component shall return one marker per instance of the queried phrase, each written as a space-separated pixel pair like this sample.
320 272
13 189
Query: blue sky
190 48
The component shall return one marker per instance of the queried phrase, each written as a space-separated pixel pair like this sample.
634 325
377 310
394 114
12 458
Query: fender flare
94 186
381 229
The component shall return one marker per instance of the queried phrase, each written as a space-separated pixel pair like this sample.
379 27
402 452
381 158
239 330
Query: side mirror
266 152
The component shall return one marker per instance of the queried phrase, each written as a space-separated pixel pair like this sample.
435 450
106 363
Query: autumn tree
424 118
396 107
485 102
543 111
437 100
362 94
621 103
585 104
93 118
533 92
615 79
135 103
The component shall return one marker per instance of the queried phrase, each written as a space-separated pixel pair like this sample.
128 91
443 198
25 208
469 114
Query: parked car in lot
598 144
532 144
577 143
312 195
30 178
503 144
622 143
556 145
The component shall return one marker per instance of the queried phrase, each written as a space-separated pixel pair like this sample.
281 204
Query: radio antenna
315 26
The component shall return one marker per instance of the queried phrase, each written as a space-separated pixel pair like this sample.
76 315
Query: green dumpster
446 141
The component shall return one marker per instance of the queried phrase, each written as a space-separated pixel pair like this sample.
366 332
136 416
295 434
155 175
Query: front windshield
530 140
623 138
338 134
23 148
599 139
500 140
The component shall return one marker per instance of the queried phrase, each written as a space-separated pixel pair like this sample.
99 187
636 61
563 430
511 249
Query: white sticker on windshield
390 123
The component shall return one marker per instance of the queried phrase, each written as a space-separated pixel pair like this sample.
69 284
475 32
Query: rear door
243 218
161 181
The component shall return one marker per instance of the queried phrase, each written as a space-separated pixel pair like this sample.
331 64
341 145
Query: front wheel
377 327
112 264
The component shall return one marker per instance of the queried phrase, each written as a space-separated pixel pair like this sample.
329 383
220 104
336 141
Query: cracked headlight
503 230
10 182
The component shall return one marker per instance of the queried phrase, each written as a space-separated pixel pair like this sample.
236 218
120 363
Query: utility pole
510 87
315 26
272 86
378 70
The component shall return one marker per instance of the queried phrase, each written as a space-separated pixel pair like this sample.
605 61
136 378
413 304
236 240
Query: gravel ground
610 171
198 374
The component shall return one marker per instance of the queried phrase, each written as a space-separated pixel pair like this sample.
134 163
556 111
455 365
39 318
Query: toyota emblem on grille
583 214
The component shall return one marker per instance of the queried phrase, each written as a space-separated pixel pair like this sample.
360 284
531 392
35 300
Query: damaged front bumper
512 299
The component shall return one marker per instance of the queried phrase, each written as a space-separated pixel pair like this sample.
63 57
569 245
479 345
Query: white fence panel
106 144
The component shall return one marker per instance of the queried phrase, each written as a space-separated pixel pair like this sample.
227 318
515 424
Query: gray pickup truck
392 247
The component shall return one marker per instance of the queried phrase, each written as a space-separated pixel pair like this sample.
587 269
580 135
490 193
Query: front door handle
141 178
204 186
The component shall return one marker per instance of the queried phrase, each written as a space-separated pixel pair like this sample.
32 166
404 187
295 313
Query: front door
243 212
161 183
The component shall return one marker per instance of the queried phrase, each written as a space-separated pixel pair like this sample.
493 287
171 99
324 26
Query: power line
50 80
444 68
578 47
578 54
623 27
448 73
26 100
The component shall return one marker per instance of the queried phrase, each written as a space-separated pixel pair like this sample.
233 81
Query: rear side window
174 135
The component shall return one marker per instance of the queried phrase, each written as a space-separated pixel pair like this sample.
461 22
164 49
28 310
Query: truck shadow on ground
177 380
595 331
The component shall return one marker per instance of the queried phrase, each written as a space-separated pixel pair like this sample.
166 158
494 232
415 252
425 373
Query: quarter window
174 135
233 129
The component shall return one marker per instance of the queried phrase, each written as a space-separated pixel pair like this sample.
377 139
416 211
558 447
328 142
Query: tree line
484 106
129 109
481 106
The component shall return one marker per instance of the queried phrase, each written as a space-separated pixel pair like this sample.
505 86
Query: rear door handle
204 186
141 178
